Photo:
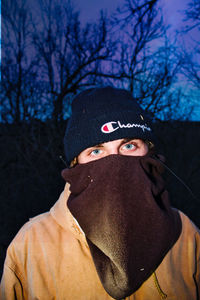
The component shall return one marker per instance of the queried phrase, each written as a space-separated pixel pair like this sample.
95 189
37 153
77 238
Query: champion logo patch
109 127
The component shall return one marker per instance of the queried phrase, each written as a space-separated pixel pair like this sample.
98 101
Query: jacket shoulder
35 223
188 227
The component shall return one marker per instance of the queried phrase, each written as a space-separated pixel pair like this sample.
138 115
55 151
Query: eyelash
125 144
129 143
92 152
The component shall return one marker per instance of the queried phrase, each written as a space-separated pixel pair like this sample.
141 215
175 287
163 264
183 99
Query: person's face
132 147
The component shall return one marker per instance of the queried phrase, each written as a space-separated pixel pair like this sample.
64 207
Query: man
112 234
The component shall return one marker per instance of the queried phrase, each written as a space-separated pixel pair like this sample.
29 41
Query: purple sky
89 11
90 8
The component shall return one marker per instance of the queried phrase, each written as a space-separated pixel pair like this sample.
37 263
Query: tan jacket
49 259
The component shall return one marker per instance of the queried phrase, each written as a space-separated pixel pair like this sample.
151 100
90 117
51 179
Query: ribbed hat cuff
84 132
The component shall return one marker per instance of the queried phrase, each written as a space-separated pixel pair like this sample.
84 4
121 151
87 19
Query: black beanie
101 115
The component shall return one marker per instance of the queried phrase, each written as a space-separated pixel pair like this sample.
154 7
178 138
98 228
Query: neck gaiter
123 208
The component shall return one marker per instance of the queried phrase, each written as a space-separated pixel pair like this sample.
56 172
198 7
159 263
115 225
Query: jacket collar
63 216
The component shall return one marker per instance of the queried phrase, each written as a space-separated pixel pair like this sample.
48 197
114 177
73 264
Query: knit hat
101 115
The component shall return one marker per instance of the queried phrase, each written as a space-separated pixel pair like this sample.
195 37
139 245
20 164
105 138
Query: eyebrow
96 146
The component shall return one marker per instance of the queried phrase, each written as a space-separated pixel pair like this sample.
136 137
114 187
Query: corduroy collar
63 216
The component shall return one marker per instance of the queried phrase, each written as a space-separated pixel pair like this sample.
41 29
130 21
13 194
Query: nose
113 151
112 147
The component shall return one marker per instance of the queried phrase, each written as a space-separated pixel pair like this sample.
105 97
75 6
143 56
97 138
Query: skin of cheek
143 150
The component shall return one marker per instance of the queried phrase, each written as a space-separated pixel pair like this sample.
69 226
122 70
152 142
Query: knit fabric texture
101 115
123 207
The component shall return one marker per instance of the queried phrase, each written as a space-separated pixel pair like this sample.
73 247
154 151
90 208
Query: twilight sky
90 8
89 11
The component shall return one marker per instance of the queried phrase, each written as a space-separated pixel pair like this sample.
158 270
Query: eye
128 147
96 152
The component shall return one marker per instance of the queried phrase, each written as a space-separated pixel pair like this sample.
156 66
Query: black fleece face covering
122 206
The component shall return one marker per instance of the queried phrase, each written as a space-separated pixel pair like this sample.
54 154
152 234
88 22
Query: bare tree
66 56
193 14
145 63
69 52
19 87
191 59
